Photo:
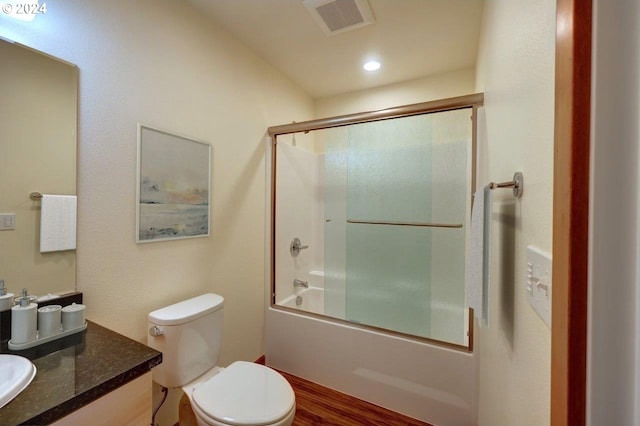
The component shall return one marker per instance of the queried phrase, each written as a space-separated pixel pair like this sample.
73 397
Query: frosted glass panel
451 203
388 283
389 170
335 220
396 275
404 278
388 280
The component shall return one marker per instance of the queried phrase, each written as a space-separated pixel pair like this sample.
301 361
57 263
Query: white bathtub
311 300
435 384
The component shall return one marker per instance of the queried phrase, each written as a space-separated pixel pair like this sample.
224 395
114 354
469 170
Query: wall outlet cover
538 283
7 221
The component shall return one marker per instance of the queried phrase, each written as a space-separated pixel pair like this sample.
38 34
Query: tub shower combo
368 233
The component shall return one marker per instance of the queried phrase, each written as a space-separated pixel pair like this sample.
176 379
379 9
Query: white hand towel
58 223
479 258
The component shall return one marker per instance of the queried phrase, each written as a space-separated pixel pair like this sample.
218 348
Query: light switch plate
538 282
7 221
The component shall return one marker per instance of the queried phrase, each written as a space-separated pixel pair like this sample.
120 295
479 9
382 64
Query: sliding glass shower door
390 206
396 210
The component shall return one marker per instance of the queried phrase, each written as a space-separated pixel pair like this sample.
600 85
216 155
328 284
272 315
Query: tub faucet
300 283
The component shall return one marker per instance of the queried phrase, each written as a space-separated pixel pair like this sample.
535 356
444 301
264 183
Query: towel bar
517 184
427 224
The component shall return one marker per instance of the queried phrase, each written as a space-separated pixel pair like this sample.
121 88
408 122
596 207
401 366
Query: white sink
16 373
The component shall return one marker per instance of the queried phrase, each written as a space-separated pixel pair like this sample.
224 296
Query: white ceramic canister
24 319
49 321
72 316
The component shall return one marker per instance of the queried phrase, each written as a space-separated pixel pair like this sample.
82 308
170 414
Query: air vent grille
336 16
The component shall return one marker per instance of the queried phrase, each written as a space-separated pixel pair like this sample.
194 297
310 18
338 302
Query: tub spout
300 283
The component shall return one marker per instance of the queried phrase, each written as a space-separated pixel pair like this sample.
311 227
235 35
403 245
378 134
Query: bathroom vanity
96 374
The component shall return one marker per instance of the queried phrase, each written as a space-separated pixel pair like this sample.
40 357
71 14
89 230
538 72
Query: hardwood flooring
318 405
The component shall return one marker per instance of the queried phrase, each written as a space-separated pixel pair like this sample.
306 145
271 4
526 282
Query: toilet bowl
242 394
188 334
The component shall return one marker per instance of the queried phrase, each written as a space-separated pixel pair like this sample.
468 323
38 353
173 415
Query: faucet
300 283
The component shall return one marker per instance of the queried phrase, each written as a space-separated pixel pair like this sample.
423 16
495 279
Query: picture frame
173 186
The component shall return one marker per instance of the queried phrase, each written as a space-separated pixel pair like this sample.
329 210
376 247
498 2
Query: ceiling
411 38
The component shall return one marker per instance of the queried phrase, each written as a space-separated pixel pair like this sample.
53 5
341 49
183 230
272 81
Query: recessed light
371 66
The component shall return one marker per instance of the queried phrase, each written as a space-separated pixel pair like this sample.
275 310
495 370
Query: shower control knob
156 331
296 246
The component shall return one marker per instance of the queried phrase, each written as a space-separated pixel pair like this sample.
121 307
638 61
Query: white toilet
189 334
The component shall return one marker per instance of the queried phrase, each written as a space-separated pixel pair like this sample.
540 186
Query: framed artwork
173 186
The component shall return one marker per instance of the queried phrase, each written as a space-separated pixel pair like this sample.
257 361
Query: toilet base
186 416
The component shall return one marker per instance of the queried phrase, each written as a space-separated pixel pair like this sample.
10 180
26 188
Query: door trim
571 213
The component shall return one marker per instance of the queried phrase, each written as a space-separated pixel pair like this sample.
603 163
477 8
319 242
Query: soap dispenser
24 319
6 299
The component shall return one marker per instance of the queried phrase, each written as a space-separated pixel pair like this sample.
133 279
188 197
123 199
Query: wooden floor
318 405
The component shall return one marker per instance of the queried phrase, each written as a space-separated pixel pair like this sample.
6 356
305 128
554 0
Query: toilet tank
188 334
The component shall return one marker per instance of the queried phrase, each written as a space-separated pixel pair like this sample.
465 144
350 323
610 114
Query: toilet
189 334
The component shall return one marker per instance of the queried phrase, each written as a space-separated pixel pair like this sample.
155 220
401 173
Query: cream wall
515 70
163 64
440 86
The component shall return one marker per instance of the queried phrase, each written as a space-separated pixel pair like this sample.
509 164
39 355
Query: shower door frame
473 101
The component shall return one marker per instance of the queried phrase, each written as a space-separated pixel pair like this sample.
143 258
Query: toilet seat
245 394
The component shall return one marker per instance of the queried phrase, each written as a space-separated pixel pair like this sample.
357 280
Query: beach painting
173 191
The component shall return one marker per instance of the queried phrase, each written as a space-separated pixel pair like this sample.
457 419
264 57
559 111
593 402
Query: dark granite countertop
74 371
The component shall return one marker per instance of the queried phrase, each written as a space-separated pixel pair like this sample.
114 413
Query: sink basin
16 373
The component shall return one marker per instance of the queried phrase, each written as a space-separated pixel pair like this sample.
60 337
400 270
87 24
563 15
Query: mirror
38 122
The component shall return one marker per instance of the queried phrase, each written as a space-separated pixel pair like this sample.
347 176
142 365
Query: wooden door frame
571 213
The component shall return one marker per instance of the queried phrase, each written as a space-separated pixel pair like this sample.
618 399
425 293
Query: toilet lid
245 394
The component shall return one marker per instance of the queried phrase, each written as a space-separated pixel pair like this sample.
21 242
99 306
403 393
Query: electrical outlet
538 282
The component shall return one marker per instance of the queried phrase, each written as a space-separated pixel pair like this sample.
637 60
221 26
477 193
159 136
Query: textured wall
439 86
516 73
162 64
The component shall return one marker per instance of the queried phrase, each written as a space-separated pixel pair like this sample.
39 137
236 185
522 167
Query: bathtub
432 383
308 300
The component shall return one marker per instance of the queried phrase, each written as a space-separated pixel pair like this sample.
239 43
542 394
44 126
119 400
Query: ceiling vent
337 16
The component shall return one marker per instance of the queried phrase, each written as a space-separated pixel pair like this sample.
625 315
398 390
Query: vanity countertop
74 371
